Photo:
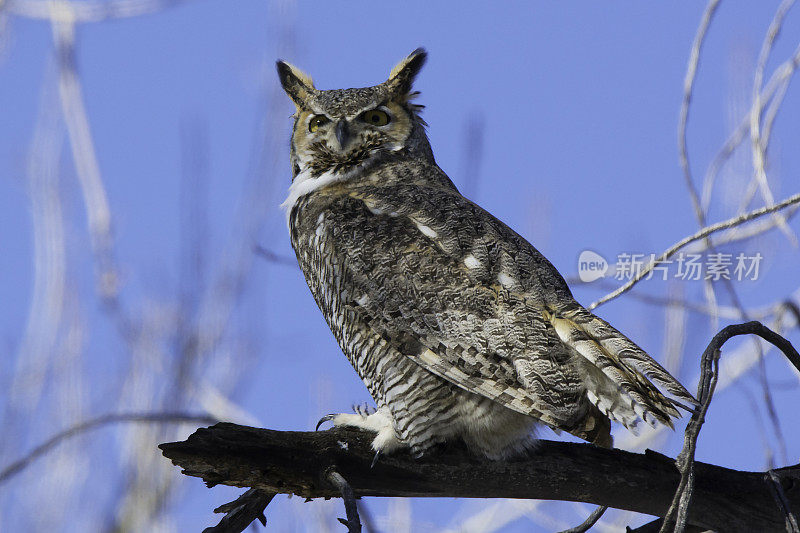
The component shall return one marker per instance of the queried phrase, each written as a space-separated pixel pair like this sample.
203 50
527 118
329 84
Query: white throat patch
304 184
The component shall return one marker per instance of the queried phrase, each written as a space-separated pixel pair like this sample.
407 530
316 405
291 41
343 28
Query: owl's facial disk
340 130
339 143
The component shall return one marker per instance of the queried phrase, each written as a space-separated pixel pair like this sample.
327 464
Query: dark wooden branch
352 521
299 462
590 521
242 511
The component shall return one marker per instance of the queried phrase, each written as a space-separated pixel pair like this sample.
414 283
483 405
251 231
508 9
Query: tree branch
159 418
702 234
590 521
352 521
298 462
677 513
242 511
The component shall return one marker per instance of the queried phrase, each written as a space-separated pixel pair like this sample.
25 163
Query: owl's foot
379 421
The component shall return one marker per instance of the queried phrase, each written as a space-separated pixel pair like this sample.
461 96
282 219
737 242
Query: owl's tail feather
623 363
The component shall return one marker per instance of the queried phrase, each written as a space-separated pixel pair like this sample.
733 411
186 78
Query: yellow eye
316 122
376 117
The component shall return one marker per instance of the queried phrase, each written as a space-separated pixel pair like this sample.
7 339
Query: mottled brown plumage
458 326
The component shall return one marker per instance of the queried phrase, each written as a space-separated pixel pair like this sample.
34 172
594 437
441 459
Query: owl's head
345 129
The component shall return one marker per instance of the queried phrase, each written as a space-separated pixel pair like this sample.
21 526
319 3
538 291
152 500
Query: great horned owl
458 326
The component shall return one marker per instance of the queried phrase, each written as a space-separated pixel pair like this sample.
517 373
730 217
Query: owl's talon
326 418
375 459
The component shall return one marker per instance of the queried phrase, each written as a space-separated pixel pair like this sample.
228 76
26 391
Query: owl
460 328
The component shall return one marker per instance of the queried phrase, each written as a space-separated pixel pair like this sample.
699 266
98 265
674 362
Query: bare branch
738 234
474 133
776 101
589 522
705 232
243 511
688 85
793 309
683 155
352 522
46 309
272 257
679 508
780 78
160 418
762 312
84 156
759 148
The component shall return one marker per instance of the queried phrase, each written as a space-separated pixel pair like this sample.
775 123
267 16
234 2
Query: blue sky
579 103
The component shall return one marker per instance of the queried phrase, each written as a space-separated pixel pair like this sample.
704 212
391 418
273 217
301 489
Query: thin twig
45 313
679 508
777 100
794 310
769 402
84 155
780 78
683 153
783 503
688 86
738 234
705 232
759 148
161 418
590 521
700 214
762 374
351 507
762 312
759 151
709 291
272 257
474 134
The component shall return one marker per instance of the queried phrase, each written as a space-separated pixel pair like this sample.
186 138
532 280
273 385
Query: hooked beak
342 133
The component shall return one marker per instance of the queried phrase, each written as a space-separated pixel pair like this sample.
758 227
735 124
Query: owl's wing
468 299
423 301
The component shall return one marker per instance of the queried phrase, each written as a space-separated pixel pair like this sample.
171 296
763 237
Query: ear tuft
402 75
297 84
